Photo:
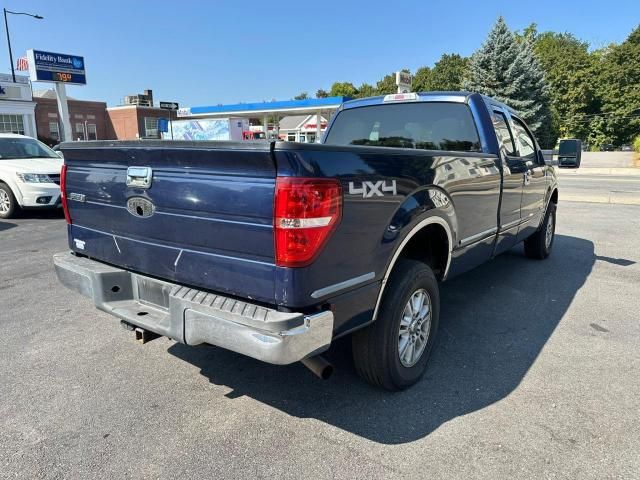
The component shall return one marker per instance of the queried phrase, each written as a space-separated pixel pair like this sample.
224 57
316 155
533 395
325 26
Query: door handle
139 177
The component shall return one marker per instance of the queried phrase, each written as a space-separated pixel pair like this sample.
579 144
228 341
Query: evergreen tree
508 71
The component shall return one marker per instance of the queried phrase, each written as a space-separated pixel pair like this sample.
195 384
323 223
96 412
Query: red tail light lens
306 211
63 193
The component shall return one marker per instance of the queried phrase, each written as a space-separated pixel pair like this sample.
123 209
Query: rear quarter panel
461 188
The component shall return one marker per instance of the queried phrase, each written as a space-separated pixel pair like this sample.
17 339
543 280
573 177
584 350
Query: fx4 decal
373 189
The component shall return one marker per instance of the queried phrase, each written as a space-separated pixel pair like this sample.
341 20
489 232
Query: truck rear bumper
194 316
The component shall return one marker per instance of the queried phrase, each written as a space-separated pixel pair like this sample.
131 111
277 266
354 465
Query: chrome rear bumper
193 316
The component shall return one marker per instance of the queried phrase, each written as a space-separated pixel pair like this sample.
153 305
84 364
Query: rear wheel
540 243
393 352
8 203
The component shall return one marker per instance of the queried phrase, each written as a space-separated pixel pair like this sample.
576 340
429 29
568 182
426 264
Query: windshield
424 125
17 147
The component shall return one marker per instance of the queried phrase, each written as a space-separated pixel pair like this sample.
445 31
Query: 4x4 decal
373 189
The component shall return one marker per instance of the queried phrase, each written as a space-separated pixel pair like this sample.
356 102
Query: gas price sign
56 67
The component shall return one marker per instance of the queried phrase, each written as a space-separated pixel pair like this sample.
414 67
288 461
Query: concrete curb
598 171
612 198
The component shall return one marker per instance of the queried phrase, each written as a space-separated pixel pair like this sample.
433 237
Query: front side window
13 148
503 133
421 125
527 145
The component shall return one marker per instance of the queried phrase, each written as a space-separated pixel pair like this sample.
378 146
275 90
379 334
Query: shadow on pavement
623 262
6 226
494 322
48 213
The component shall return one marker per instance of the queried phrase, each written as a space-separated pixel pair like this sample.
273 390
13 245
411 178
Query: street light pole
6 26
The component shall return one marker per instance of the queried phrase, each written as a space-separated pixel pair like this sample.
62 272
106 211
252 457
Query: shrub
636 144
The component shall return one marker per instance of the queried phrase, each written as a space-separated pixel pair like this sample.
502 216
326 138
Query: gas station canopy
280 108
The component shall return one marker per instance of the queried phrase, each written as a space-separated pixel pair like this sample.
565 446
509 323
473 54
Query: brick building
88 118
131 122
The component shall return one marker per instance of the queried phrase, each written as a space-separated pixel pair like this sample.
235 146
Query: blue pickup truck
273 249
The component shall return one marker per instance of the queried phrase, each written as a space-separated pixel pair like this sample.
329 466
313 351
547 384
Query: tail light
306 211
63 193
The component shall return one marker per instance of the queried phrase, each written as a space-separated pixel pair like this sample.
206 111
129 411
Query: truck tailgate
206 219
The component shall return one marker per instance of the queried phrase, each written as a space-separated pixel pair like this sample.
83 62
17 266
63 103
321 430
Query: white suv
29 174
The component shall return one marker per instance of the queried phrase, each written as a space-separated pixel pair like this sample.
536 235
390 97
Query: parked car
626 148
275 249
29 175
607 147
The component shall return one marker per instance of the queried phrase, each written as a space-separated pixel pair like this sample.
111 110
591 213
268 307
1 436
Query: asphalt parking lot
535 375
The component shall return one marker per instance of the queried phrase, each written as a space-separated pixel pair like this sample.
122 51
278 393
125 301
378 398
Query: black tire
536 246
6 195
376 349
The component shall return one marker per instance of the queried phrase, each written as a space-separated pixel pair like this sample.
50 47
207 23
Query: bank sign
56 67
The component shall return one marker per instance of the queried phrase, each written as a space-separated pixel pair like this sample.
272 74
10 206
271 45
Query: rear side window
426 125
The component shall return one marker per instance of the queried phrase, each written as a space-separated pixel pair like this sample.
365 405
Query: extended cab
274 249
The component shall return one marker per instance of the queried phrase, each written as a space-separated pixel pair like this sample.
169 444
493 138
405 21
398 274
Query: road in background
608 160
534 375
600 188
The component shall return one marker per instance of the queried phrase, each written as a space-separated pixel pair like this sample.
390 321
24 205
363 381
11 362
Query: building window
80 131
11 124
291 137
150 127
92 132
54 131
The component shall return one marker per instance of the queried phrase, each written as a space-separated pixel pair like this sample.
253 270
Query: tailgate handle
139 177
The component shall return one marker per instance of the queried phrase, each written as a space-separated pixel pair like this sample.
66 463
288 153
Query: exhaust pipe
319 366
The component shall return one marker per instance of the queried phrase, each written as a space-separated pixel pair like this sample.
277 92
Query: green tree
366 90
569 72
449 72
619 88
508 71
421 80
388 84
301 96
343 89
321 93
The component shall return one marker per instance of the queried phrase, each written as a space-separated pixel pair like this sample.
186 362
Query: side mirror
569 153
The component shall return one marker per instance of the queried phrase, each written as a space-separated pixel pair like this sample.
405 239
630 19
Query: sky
220 51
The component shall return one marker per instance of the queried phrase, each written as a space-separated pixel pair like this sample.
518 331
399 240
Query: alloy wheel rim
549 232
4 201
415 326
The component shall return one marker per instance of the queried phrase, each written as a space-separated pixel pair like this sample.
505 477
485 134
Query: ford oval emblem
140 207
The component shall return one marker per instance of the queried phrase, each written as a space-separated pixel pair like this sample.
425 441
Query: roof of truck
458 97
